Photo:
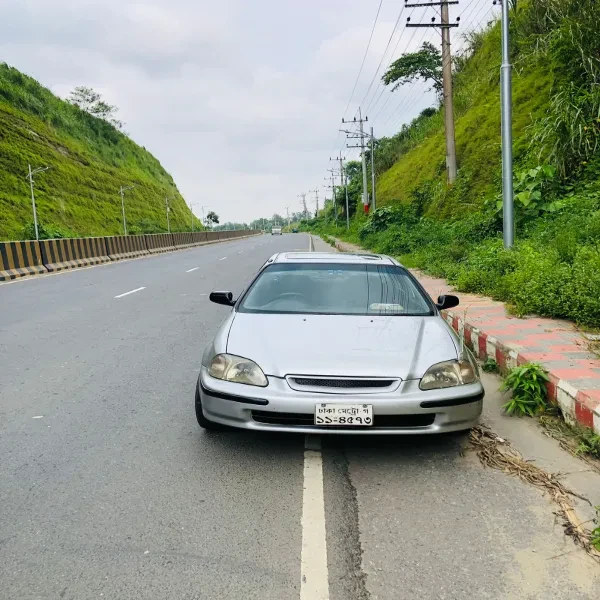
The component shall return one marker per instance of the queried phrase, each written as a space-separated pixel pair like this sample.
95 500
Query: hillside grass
477 123
455 231
89 160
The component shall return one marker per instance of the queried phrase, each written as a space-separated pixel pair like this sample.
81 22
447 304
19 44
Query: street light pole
508 216
373 170
30 175
122 191
168 210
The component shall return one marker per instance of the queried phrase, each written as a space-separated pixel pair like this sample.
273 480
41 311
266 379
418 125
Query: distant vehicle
363 349
276 231
294 230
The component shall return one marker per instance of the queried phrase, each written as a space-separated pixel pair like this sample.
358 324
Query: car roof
332 258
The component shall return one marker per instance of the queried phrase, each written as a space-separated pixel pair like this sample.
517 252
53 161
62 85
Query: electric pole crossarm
437 25
431 3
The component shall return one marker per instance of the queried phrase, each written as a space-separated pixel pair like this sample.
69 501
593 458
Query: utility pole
360 122
287 210
316 191
122 191
373 200
445 26
192 213
305 210
333 193
508 216
168 210
30 177
345 184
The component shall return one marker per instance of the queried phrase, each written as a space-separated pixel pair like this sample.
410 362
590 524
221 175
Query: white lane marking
223 258
130 292
314 577
240 252
194 269
311 245
38 417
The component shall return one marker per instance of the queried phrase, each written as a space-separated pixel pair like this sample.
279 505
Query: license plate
344 414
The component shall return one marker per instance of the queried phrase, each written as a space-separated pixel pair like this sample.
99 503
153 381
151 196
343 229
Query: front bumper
408 410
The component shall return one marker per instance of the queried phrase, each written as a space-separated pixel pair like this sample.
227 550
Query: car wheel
202 420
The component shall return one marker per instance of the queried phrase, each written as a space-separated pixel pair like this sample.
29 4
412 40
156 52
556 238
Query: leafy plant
528 386
589 443
595 534
533 192
490 366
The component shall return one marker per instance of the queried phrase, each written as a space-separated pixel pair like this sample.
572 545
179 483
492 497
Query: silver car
337 343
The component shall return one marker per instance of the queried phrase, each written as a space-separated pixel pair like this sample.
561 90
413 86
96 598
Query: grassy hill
89 160
456 231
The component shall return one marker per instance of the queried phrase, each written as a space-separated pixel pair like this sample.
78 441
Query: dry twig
495 452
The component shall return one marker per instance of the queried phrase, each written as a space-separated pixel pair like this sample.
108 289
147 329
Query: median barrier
125 246
18 259
183 240
159 242
212 236
199 237
68 253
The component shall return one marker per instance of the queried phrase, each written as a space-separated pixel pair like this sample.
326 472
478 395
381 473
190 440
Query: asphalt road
108 488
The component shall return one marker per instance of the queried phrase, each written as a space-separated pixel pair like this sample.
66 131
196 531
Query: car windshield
335 289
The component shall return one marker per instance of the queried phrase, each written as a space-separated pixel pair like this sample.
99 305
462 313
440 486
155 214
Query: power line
384 87
362 64
362 102
335 143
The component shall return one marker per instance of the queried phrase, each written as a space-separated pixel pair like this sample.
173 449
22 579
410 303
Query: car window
335 289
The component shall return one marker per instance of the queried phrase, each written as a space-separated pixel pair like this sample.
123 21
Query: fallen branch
495 452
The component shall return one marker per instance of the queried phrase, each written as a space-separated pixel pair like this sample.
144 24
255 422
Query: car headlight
237 370
448 374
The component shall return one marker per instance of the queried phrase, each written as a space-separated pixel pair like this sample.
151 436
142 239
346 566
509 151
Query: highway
109 489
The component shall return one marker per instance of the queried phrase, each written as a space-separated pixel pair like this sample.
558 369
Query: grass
576 439
89 160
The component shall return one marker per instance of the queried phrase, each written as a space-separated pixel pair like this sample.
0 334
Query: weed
589 443
595 539
490 366
528 386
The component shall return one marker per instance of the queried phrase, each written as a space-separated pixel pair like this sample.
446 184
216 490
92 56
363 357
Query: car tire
202 420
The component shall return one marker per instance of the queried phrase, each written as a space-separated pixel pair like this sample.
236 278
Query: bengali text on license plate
344 414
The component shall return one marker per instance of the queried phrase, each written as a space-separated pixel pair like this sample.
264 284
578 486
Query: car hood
341 345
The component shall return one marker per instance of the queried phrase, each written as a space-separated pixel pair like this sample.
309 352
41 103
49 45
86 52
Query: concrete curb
578 406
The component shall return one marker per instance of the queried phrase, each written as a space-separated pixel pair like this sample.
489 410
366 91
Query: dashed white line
314 577
194 269
131 292
240 252
223 258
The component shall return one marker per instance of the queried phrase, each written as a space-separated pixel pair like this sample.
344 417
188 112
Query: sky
240 100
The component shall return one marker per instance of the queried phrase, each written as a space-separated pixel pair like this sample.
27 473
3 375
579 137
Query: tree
212 218
425 64
91 102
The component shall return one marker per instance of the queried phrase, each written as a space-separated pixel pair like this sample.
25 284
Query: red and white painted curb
576 405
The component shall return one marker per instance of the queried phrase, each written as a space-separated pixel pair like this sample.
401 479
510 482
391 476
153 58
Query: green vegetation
595 535
528 386
490 366
455 231
89 160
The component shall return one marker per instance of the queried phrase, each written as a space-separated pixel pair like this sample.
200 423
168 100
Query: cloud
240 101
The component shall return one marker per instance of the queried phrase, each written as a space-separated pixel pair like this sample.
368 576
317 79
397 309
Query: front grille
379 421
342 383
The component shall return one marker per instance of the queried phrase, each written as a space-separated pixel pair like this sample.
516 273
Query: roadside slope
89 160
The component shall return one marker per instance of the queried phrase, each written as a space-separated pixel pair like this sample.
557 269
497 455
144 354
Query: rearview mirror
225 298
446 302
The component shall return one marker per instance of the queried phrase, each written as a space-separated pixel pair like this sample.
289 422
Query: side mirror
225 298
446 302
